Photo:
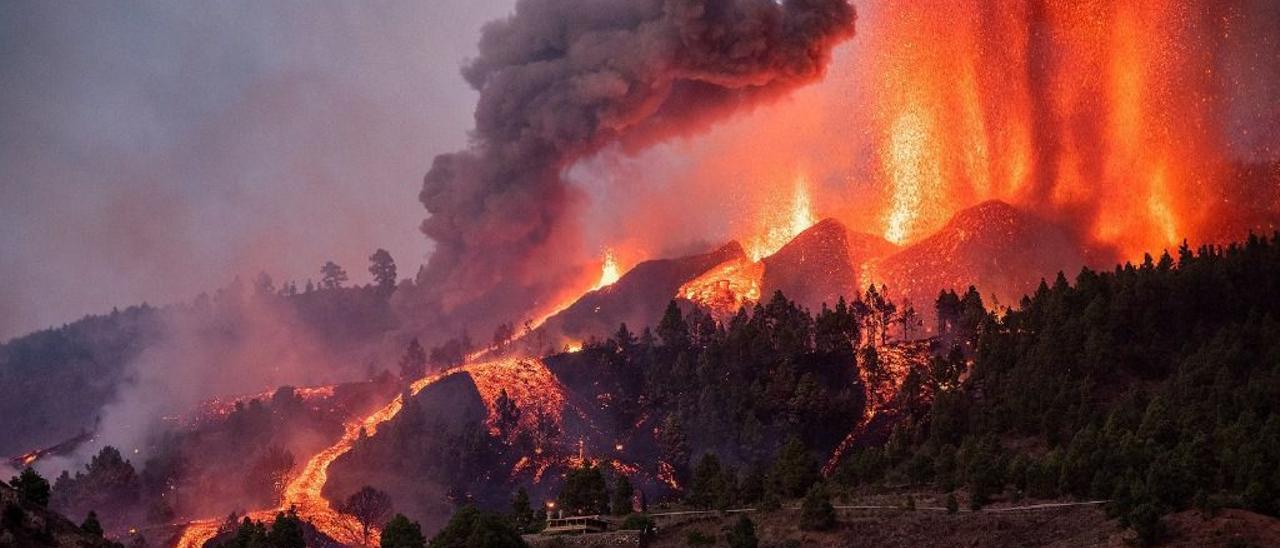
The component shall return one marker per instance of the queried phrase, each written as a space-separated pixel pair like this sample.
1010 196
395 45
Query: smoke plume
560 80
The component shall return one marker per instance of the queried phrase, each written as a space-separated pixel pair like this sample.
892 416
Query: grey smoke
561 79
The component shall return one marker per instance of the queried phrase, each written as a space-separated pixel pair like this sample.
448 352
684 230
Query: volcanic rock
998 248
638 298
821 264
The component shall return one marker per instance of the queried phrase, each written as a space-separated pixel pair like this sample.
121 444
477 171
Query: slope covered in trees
1156 386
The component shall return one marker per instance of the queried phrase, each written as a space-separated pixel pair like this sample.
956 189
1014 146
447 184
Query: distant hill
54 383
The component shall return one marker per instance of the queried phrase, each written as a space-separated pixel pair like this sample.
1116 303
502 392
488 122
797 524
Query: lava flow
882 385
303 492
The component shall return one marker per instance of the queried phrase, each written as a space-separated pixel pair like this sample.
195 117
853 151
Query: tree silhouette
622 493
584 492
816 512
383 269
32 489
470 527
413 364
743 534
400 532
508 414
91 524
369 506
332 276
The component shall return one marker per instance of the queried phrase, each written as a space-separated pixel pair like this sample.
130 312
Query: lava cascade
883 386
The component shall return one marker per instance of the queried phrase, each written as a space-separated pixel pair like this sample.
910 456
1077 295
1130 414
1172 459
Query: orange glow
1103 114
303 489
726 288
609 270
667 475
781 222
528 382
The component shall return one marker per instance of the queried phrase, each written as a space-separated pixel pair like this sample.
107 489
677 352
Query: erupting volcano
720 254
1120 119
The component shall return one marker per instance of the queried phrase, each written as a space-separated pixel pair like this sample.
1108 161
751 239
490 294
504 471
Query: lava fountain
780 222
1108 115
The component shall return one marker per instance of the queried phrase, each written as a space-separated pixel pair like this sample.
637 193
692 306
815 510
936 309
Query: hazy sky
153 150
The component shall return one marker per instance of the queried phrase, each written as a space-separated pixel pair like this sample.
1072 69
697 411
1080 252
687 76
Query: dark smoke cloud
561 79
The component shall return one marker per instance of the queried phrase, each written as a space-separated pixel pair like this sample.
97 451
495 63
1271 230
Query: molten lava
882 383
1107 115
303 492
528 382
726 288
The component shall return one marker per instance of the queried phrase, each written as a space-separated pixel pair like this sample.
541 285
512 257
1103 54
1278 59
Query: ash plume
560 80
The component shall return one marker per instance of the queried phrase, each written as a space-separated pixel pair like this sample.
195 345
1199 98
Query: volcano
994 246
822 264
639 297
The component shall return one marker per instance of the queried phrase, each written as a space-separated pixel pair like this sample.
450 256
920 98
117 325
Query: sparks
782 224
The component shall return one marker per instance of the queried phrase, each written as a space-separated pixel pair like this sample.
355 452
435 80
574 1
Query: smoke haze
150 151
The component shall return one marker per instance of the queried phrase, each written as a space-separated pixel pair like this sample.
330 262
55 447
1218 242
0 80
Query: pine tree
400 532
32 489
816 512
522 511
622 493
91 525
383 269
332 276
413 365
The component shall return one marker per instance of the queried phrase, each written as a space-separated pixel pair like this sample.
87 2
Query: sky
153 150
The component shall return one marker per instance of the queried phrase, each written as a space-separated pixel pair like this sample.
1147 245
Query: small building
575 525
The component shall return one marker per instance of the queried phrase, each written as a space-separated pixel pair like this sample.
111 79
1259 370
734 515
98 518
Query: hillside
29 525
638 297
55 383
1153 387
821 264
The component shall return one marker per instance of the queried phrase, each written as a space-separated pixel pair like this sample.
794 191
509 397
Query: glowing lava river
303 491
